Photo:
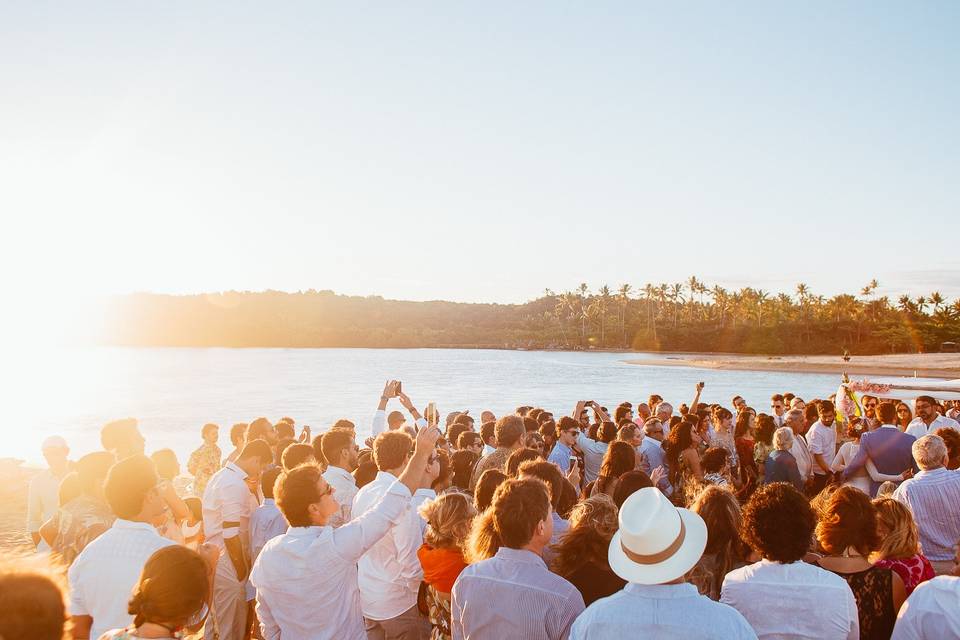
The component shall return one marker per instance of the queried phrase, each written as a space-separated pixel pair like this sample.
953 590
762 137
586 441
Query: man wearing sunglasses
928 418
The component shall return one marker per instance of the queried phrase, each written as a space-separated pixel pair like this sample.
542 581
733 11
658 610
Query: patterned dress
79 522
912 571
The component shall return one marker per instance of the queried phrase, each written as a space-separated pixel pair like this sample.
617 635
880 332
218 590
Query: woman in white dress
848 450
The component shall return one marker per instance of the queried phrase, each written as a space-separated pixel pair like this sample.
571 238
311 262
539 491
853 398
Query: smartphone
432 418
573 462
399 387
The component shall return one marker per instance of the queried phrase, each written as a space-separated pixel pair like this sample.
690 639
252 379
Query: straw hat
657 542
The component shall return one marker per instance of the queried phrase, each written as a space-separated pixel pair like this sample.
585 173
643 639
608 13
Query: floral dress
203 463
912 571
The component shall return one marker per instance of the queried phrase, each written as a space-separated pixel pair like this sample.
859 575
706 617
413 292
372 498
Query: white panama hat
656 542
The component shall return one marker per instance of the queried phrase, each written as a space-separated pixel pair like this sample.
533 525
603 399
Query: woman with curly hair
900 544
951 438
581 554
782 596
847 532
763 444
724 551
683 459
619 459
173 587
449 518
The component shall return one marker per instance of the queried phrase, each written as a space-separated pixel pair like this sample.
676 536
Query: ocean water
174 391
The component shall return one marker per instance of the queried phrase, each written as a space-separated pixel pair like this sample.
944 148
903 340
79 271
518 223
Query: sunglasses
328 490
573 432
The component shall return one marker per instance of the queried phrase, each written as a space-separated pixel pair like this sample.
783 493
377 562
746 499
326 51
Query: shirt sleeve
77 606
379 424
815 442
574 607
355 538
268 625
409 536
236 499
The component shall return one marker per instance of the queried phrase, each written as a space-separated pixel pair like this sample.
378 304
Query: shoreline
934 365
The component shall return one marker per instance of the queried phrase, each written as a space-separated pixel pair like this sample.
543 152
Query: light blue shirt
266 523
593 452
934 499
660 611
560 456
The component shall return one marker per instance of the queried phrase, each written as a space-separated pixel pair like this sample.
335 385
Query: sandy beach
925 365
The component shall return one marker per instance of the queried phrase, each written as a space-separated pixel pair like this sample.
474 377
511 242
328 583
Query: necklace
848 554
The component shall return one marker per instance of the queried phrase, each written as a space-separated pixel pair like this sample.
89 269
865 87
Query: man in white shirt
656 545
389 574
931 611
266 522
795 420
306 579
104 573
227 507
341 452
43 497
822 445
928 418
782 596
777 407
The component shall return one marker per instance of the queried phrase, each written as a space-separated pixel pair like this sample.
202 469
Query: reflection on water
174 391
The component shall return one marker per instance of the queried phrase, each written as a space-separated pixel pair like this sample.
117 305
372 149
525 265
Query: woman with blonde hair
449 519
899 547
581 554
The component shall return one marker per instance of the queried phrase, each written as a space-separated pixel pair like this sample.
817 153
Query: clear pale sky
482 151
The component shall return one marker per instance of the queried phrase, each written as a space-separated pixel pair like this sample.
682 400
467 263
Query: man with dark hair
122 438
237 434
777 406
513 594
870 419
227 506
886 446
488 435
44 489
778 524
928 418
341 452
568 430
261 429
455 430
285 430
104 574
389 574
470 441
508 432
822 444
307 579
550 475
205 460
296 454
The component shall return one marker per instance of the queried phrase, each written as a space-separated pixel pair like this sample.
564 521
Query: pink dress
912 571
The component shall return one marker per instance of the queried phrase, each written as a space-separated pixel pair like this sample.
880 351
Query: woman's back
781 466
873 590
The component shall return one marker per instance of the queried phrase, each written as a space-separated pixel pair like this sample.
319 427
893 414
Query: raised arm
696 398
379 424
412 410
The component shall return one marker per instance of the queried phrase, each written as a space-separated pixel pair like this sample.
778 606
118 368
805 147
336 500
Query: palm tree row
695 316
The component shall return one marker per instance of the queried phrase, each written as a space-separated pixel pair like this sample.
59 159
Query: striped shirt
934 498
513 595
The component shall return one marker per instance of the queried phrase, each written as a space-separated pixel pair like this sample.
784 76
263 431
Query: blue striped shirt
513 595
933 497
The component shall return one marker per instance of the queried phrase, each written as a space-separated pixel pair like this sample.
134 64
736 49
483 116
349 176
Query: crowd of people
704 521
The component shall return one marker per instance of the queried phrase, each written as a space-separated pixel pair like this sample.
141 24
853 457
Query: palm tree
676 296
905 303
623 297
936 300
921 304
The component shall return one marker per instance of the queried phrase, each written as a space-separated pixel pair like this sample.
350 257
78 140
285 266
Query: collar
130 525
663 591
233 467
888 426
340 471
522 556
386 476
428 493
268 502
306 532
925 473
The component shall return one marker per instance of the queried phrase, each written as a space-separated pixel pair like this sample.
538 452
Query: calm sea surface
175 391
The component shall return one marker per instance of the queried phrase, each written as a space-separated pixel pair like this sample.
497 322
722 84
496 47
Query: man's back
890 449
513 595
934 499
660 611
104 574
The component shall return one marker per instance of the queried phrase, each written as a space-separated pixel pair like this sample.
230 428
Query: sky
477 151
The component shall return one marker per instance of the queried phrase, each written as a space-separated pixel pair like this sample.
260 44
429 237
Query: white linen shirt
306 579
931 612
593 452
790 601
918 428
823 440
345 490
389 573
664 611
102 577
226 499
43 499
